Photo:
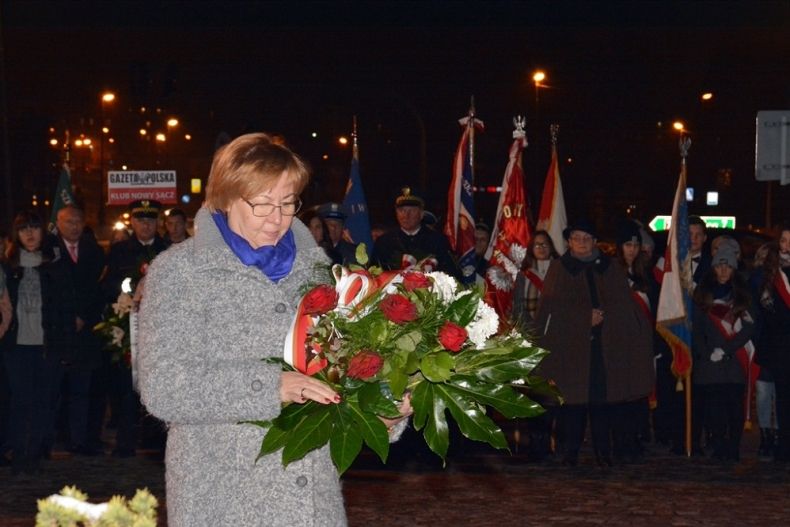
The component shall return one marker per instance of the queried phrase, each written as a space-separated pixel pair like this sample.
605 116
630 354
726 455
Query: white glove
717 355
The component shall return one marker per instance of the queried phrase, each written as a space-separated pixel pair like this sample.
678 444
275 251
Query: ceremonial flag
673 319
511 235
552 217
674 303
460 224
357 226
63 196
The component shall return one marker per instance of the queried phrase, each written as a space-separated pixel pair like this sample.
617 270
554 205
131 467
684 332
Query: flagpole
471 125
685 144
354 146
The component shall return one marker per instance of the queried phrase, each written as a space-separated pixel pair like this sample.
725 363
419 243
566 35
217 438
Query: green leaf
378 330
503 398
397 381
463 310
372 400
292 413
345 441
437 367
501 368
274 440
310 433
361 254
429 416
409 341
373 430
471 419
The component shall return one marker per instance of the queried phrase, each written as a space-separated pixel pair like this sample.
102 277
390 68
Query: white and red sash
533 277
782 286
641 299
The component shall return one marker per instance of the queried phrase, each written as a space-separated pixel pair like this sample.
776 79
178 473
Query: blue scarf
275 261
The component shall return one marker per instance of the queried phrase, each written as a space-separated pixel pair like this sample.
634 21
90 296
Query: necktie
73 252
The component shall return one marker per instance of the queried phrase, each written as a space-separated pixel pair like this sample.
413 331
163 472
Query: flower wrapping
395 333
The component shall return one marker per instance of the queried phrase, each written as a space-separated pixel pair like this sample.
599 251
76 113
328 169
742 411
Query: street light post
106 98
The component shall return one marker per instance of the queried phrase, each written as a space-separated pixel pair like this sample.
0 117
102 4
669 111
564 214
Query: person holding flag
460 225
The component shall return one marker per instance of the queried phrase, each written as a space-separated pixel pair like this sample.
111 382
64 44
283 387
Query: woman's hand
597 317
297 387
405 411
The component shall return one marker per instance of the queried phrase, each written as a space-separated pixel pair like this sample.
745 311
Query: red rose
452 337
364 365
413 280
398 309
320 300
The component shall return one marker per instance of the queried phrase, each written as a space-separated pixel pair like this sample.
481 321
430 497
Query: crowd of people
57 382
217 302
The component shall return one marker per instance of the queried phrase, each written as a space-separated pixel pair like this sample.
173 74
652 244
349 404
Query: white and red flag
511 234
552 217
460 224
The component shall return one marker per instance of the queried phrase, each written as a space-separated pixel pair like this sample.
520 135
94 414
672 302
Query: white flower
484 325
516 334
123 305
444 286
117 336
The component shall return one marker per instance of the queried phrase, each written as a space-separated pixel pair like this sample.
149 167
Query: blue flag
63 196
357 226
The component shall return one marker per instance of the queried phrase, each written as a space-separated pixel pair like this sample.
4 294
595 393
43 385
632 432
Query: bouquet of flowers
115 327
375 336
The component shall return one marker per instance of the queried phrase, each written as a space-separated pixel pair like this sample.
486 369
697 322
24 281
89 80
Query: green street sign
662 223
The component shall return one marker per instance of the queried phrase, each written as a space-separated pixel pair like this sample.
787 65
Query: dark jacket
706 337
563 325
125 260
773 343
85 275
391 246
58 310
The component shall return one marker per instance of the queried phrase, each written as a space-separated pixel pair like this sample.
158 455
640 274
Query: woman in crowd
773 350
631 419
39 339
722 327
529 284
318 229
215 306
766 260
601 346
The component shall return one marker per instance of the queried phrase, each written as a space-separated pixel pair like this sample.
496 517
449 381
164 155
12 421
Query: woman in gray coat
214 306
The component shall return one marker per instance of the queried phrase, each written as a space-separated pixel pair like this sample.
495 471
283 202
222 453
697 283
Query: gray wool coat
206 321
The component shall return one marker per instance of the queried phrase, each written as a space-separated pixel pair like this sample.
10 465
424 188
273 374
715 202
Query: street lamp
679 126
106 98
538 77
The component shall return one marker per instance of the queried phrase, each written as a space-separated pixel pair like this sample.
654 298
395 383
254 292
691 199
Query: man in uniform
412 242
130 259
343 252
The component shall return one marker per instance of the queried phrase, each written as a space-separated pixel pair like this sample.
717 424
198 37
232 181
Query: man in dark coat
334 217
411 242
601 346
129 259
84 259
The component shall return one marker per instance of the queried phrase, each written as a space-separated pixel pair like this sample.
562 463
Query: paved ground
483 488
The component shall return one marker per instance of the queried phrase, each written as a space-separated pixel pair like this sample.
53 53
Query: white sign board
772 147
125 186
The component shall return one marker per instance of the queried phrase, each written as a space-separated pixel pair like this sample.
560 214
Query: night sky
618 75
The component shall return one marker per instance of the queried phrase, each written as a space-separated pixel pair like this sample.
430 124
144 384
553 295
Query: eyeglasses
261 210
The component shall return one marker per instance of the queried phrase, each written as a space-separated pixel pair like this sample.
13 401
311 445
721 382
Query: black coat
390 247
773 343
124 261
58 310
85 275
